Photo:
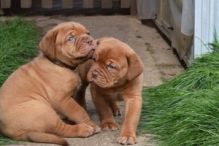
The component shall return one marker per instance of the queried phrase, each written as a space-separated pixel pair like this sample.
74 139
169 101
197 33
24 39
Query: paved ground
159 60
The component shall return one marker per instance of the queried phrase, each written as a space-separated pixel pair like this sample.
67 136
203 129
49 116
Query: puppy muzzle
88 40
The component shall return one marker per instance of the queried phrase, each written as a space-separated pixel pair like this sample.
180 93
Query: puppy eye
71 38
110 66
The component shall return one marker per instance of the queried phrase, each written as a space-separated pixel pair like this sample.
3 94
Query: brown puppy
117 74
33 95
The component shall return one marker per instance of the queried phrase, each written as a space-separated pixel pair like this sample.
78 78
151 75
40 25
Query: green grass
4 140
18 43
185 110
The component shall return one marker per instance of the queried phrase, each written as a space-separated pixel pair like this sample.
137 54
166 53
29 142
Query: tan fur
33 96
117 73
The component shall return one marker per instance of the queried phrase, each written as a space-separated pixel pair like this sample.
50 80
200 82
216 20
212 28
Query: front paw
97 129
127 139
109 125
84 130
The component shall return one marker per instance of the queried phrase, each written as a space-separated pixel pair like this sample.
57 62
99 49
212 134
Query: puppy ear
135 66
48 44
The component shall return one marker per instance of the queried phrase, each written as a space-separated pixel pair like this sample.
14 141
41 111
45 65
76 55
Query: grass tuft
18 43
185 110
4 140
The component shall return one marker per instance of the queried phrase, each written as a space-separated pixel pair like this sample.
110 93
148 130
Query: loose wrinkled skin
33 95
117 73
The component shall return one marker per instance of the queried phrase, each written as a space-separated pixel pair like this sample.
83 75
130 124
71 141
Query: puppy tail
46 138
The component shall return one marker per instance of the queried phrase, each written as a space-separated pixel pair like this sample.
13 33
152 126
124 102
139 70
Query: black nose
94 75
90 41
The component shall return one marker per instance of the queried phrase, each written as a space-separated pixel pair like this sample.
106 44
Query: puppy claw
127 140
85 130
105 128
117 113
109 126
122 140
97 129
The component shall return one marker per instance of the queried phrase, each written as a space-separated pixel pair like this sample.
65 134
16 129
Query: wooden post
133 7
88 4
1 12
5 4
46 4
26 3
125 3
106 4
67 4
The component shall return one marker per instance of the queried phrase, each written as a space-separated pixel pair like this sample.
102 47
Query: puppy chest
71 84
115 96
65 83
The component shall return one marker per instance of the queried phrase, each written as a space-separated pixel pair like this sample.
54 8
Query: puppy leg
114 107
80 96
107 120
131 118
55 135
74 112
78 130
43 126
42 137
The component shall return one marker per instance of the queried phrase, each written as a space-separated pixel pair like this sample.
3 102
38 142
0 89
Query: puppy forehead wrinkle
79 27
113 49
110 51
106 56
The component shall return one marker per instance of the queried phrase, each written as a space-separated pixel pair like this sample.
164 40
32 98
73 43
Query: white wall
206 23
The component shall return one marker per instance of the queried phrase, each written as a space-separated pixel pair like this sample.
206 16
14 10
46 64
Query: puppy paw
109 126
85 130
97 129
127 140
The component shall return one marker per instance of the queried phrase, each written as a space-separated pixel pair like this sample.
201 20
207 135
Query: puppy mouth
90 53
91 47
87 51
90 43
102 85
94 44
100 81
87 56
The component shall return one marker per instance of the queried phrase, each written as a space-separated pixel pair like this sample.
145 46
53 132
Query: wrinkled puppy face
68 42
115 63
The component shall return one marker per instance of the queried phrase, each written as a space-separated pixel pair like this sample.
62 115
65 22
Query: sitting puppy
117 73
33 96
